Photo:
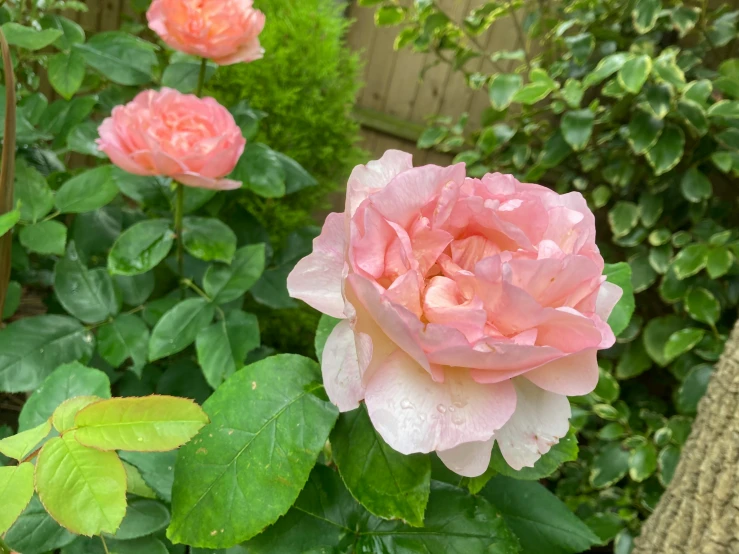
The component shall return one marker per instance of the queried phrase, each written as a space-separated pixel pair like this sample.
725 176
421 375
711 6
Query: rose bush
472 308
195 141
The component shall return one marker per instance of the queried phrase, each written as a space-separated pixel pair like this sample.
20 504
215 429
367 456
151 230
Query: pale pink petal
342 378
572 375
317 278
194 180
470 459
366 179
415 414
608 296
540 420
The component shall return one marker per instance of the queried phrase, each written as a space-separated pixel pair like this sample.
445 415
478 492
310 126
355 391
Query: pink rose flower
471 309
195 141
225 31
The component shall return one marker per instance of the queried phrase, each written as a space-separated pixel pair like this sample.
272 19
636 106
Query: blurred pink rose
225 31
195 141
471 309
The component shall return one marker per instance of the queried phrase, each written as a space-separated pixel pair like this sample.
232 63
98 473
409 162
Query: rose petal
573 375
470 459
366 179
340 366
608 296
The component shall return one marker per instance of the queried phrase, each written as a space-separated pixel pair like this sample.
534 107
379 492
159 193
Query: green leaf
143 517
642 462
581 46
29 38
702 306
88 295
718 262
31 348
650 208
87 191
572 93
177 329
609 466
605 68
183 72
540 521
16 490
667 462
125 337
690 260
668 150
724 108
643 275
644 130
120 57
8 221
502 88
431 137
682 341
296 177
698 91
576 127
21 445
327 519
12 299
555 151
722 160
634 73
684 19
135 484
693 388
249 459
261 171
224 284
64 415
695 186
533 92
66 71
45 237
81 488
390 485
656 333
35 532
141 247
623 217
666 67
72 33
33 193
389 15
157 470
645 15
325 325
208 239
620 274
659 99
135 289
222 347
82 139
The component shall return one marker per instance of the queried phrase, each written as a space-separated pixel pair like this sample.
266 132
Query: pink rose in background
225 31
471 309
195 141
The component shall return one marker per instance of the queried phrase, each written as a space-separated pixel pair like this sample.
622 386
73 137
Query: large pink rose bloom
195 141
225 31
471 309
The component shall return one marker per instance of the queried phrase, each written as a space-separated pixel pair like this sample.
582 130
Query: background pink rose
471 309
195 141
225 31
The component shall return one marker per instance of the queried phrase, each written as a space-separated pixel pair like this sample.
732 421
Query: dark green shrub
635 104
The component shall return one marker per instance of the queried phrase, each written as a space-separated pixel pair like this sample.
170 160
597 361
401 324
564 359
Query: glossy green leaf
390 485
249 459
16 490
125 337
642 462
63 418
226 283
82 139
389 15
693 388
67 381
177 328
695 186
694 114
222 347
120 57
605 68
724 108
609 466
88 295
684 18
576 127
702 306
620 274
31 348
28 37
645 15
718 262
135 289
581 46
72 33
44 237
21 445
634 73
141 247
690 260
12 299
135 484
659 99
682 341
93 545
32 191
209 239
656 333
667 461
502 88
261 171
143 517
183 72
8 221
644 130
623 217
327 519
156 468
35 532
66 71
88 191
539 519
668 151
533 92
141 424
572 93
667 69
81 488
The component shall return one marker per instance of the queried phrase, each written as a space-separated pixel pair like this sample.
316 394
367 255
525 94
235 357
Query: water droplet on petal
452 408
441 409
406 404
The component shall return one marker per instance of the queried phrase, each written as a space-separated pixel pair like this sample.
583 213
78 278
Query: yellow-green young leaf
63 418
135 484
145 424
82 489
16 490
21 445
